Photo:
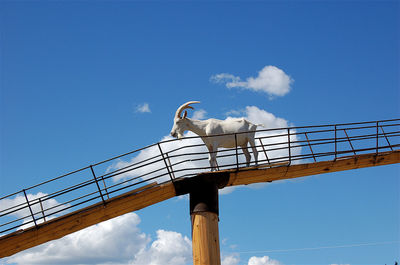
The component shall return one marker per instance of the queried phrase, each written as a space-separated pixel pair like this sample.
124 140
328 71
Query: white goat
205 128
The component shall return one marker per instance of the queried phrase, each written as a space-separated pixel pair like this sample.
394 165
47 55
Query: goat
205 128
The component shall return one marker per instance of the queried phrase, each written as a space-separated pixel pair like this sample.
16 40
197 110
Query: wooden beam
301 170
153 193
205 239
204 211
80 219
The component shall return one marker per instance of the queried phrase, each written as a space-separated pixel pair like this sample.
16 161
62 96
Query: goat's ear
184 114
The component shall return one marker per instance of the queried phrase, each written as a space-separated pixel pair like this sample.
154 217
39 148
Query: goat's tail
259 125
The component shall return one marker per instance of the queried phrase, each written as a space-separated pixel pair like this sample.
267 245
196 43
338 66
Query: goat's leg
212 157
246 154
255 152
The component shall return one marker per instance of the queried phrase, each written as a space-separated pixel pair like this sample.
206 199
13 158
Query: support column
204 215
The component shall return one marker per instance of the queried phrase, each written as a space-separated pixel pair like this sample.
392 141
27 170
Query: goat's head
180 124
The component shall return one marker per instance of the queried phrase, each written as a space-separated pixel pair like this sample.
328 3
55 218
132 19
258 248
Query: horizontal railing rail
173 159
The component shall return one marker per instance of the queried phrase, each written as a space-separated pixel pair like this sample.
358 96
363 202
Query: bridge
158 172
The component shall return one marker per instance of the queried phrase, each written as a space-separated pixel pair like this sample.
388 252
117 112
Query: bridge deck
132 181
154 193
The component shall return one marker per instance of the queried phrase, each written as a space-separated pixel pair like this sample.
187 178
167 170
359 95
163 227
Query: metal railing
172 159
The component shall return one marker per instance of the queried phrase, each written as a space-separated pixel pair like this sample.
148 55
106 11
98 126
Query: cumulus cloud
263 261
229 79
20 200
232 259
51 207
199 114
143 108
267 119
114 241
169 248
120 241
270 80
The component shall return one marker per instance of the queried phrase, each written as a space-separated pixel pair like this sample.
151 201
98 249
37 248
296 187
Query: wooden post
204 214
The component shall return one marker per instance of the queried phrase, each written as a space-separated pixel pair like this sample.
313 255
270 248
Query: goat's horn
185 106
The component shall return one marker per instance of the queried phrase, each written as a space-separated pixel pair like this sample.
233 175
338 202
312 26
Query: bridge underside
154 193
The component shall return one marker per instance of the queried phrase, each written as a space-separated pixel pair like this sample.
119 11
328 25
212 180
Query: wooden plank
70 223
205 238
302 170
153 193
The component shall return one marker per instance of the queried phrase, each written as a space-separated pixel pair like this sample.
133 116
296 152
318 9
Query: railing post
387 140
290 153
335 141
165 162
105 187
170 165
309 144
30 209
237 156
377 136
351 145
265 151
41 207
98 186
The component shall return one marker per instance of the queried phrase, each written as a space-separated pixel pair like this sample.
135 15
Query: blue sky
74 75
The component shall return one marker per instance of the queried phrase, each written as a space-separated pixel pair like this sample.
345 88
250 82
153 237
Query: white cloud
267 119
19 199
232 259
199 114
227 190
120 241
50 206
143 108
169 248
233 112
270 80
263 261
114 241
224 77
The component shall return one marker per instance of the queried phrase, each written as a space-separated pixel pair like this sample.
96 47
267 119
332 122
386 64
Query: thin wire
319 248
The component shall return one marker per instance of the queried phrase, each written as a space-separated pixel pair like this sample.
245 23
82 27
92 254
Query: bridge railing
171 159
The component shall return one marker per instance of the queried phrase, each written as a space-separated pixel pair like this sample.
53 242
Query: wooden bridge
143 177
